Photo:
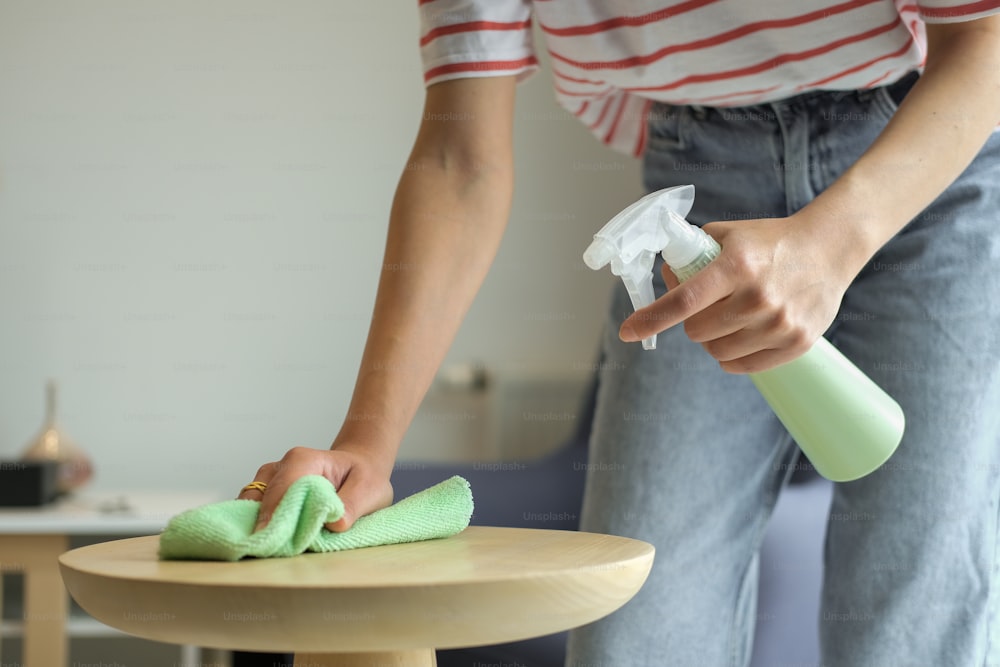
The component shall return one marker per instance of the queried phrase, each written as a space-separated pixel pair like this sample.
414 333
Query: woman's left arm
940 126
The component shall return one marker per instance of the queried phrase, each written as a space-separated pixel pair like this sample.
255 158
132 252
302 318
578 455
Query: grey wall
193 199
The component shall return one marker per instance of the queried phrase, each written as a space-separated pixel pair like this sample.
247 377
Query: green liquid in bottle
844 422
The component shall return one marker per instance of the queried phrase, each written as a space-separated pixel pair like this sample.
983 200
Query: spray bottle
845 423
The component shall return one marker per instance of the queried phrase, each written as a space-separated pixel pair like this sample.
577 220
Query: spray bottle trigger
638 278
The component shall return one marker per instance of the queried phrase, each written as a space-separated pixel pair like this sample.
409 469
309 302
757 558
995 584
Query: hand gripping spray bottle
843 421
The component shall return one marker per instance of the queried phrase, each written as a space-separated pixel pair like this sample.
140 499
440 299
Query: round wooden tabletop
482 586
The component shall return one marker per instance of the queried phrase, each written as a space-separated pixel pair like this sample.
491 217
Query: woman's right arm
446 223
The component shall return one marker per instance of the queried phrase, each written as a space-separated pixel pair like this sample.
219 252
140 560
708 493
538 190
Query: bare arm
940 126
750 309
447 219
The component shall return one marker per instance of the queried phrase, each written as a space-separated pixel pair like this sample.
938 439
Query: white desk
31 540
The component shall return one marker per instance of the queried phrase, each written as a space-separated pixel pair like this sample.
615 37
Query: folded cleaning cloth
224 530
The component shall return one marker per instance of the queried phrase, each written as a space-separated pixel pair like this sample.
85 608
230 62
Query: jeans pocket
666 123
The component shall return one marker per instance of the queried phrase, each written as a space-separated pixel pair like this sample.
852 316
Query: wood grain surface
482 586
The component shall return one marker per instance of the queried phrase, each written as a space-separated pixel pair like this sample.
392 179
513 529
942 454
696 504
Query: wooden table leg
45 600
1 603
417 658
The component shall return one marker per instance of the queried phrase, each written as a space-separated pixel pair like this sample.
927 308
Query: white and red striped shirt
611 59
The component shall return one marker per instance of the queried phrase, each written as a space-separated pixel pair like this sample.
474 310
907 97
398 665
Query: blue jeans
694 459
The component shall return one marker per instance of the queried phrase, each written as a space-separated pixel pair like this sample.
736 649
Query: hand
769 295
362 483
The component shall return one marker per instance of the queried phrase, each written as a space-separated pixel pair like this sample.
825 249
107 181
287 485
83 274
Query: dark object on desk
28 483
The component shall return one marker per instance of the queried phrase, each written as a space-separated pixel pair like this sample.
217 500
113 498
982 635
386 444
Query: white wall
193 199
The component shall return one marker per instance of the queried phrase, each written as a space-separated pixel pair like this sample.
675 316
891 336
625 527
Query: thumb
360 497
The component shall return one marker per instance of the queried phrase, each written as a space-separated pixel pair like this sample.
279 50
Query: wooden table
389 605
31 540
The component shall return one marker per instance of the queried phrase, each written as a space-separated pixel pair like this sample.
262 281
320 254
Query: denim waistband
896 90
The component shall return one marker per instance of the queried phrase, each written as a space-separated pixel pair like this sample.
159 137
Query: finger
263 476
252 493
276 488
791 341
699 292
737 345
777 352
758 361
721 319
359 499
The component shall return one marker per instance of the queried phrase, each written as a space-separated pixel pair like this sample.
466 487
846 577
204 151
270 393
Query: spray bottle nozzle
630 241
599 254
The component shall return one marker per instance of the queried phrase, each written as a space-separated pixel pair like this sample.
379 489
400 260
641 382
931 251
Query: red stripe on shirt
875 82
624 21
580 93
777 61
715 40
574 79
960 10
604 112
618 117
640 143
472 26
858 68
481 66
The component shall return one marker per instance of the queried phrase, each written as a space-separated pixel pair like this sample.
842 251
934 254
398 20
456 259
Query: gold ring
255 486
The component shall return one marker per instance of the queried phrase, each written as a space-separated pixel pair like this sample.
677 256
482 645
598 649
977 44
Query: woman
837 213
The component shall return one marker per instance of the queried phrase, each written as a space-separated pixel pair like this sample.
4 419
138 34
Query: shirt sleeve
955 11
475 38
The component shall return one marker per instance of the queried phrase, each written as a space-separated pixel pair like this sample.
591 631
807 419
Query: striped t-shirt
612 59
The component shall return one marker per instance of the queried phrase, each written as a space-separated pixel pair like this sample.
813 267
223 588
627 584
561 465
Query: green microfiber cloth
224 530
